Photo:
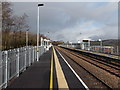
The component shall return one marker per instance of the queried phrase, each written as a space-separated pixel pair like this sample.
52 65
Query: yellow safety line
51 73
62 83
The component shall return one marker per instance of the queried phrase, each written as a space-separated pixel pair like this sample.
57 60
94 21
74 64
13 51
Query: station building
86 45
45 42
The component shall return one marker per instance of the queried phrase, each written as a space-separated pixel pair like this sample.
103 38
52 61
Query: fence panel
27 56
15 61
22 59
3 68
0 68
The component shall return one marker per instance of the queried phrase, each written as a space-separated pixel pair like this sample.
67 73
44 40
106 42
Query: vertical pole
41 44
41 41
1 66
38 35
47 45
33 55
25 58
29 56
27 38
101 46
117 50
112 50
17 62
35 52
89 44
6 68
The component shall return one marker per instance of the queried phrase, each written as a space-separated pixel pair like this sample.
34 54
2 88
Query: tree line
14 29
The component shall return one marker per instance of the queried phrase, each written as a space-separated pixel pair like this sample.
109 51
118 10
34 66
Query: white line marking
74 72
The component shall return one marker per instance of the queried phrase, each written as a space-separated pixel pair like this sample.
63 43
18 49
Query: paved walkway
36 76
51 71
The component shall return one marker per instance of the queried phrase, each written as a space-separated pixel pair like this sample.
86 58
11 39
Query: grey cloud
67 20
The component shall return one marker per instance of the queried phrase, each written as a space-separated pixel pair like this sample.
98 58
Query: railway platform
97 53
36 76
50 72
61 68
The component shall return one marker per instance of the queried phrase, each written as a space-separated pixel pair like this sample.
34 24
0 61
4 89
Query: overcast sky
72 21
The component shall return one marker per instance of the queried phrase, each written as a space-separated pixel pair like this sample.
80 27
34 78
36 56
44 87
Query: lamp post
38 27
27 37
100 45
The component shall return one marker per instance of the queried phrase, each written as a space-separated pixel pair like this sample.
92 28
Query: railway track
103 65
110 61
111 70
115 66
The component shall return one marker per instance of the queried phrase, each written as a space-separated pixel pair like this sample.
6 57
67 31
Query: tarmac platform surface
51 71
36 76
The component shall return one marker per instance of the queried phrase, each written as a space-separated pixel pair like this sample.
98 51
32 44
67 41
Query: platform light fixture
38 28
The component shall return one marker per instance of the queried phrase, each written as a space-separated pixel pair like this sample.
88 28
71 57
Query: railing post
33 54
29 56
25 58
6 68
36 53
39 51
1 73
17 63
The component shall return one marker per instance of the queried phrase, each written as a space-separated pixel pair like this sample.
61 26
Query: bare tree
6 22
20 24
12 27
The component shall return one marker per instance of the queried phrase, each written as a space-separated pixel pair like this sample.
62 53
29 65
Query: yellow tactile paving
51 73
62 83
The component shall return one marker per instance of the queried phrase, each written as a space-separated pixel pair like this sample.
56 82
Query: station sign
85 40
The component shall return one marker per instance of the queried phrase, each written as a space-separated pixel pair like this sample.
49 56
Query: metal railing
16 61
